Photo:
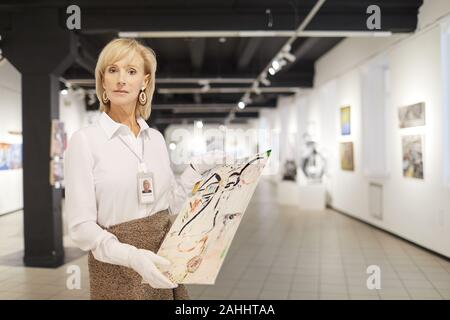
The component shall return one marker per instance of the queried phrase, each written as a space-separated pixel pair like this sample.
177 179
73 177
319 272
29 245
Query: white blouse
101 183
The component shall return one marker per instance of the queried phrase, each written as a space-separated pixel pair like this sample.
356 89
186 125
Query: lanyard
140 158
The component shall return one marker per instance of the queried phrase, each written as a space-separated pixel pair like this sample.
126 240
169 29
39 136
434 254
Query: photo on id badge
146 188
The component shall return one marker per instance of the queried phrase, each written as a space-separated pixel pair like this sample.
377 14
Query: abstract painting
347 156
56 173
58 141
345 121
201 235
412 116
10 156
4 155
15 156
412 148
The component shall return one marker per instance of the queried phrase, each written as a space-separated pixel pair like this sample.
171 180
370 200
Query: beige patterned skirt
113 282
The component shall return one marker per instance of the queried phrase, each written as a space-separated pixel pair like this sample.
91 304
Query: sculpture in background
312 162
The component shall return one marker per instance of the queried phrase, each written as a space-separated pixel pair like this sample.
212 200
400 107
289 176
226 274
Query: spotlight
199 124
241 105
289 56
172 146
265 81
271 71
275 65
64 92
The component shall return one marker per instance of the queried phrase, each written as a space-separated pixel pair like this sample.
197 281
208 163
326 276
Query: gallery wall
72 113
375 77
11 194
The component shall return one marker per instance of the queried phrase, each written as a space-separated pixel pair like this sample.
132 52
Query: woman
105 164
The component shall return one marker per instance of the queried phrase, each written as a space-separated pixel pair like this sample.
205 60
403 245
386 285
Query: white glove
207 161
143 262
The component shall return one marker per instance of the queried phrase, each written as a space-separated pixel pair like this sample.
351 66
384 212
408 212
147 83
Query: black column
40 47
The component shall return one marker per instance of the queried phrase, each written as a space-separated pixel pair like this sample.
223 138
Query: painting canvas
4 155
56 173
201 235
412 116
412 148
10 156
58 139
347 156
345 121
15 156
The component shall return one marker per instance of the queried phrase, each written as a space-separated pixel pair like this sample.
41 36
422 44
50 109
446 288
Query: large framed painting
412 116
412 150
201 235
347 160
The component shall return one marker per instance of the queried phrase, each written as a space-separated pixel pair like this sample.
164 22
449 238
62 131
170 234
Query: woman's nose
121 79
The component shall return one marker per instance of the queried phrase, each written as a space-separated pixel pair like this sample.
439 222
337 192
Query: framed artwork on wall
412 115
58 141
56 173
10 156
345 121
347 162
412 156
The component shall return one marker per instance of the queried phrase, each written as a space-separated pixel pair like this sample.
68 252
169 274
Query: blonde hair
116 50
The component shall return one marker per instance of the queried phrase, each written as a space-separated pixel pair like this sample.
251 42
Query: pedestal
311 197
287 193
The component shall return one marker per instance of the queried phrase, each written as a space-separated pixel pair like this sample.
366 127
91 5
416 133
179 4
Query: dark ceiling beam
397 16
245 54
193 5
197 52
397 22
120 20
307 45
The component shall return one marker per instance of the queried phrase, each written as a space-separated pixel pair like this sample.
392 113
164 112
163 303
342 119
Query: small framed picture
146 188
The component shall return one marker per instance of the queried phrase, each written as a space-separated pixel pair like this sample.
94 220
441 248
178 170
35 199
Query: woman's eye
112 69
132 71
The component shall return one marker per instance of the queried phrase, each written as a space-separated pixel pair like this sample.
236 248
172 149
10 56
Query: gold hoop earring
142 97
105 99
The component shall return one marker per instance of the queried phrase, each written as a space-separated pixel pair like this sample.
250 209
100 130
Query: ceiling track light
285 50
289 56
265 82
276 65
257 90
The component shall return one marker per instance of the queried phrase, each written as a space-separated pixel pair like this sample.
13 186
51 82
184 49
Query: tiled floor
278 253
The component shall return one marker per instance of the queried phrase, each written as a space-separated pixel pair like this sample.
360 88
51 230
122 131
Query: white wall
72 112
418 210
11 193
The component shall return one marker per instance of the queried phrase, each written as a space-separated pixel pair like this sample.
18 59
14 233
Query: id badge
146 188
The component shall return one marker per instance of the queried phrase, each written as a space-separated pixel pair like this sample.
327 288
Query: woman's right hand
143 262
